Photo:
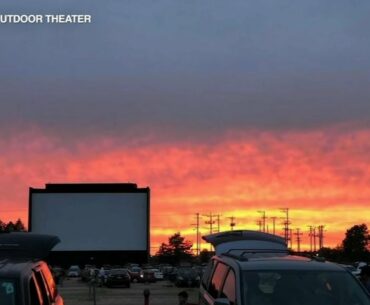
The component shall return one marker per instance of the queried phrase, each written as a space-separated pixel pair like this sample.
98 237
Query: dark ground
76 292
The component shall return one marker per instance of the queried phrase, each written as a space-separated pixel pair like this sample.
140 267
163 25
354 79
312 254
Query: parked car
358 268
24 278
187 277
147 275
74 271
58 274
252 268
135 273
158 274
118 277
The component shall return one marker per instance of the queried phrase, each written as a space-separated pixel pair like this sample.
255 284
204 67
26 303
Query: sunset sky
228 107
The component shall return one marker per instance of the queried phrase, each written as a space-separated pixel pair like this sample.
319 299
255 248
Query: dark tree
355 244
19 226
332 254
2 226
10 227
177 250
205 256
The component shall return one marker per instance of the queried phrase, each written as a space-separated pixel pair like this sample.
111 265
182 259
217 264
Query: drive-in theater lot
76 292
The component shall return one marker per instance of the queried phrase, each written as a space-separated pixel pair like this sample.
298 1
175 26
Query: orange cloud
323 176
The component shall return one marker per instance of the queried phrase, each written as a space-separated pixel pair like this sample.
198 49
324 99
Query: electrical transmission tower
218 221
320 235
259 223
197 232
311 234
286 224
273 224
263 220
232 223
298 235
210 222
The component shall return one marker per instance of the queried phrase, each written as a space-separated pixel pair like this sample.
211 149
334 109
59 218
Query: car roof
254 250
14 267
283 262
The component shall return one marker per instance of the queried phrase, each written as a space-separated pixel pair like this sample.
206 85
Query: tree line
10 226
354 247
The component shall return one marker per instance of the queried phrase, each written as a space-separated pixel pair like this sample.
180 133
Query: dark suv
24 278
255 268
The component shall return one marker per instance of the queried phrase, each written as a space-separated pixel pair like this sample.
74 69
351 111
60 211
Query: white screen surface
92 221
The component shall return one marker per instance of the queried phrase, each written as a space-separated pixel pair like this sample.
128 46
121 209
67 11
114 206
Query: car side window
35 294
229 289
49 281
207 274
42 285
217 280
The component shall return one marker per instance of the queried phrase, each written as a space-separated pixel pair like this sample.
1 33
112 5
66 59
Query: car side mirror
221 301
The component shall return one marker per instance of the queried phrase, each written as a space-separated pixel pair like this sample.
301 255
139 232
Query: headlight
180 278
197 278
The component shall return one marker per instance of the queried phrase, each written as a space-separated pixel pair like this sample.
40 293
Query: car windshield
7 292
301 287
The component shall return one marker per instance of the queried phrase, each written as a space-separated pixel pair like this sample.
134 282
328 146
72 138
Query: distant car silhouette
118 277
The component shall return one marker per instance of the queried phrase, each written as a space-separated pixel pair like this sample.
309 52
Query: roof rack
246 241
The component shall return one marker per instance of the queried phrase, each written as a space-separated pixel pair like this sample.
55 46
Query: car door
229 288
215 284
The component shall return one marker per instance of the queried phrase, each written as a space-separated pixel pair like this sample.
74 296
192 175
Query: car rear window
7 292
118 271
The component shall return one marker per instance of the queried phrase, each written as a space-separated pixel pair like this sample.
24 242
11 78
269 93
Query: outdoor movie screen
92 221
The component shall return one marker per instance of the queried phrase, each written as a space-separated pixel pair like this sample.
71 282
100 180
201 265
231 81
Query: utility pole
210 222
197 230
298 234
311 238
218 223
314 239
273 224
286 224
321 236
232 223
263 220
259 223
291 238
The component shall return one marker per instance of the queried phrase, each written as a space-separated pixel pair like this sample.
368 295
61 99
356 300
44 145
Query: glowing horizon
321 175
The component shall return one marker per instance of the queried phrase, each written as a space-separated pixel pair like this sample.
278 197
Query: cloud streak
235 175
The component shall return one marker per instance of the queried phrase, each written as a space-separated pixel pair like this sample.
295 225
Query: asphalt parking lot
76 292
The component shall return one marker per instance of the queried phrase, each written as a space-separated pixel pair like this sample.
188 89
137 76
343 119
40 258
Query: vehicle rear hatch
245 240
26 245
